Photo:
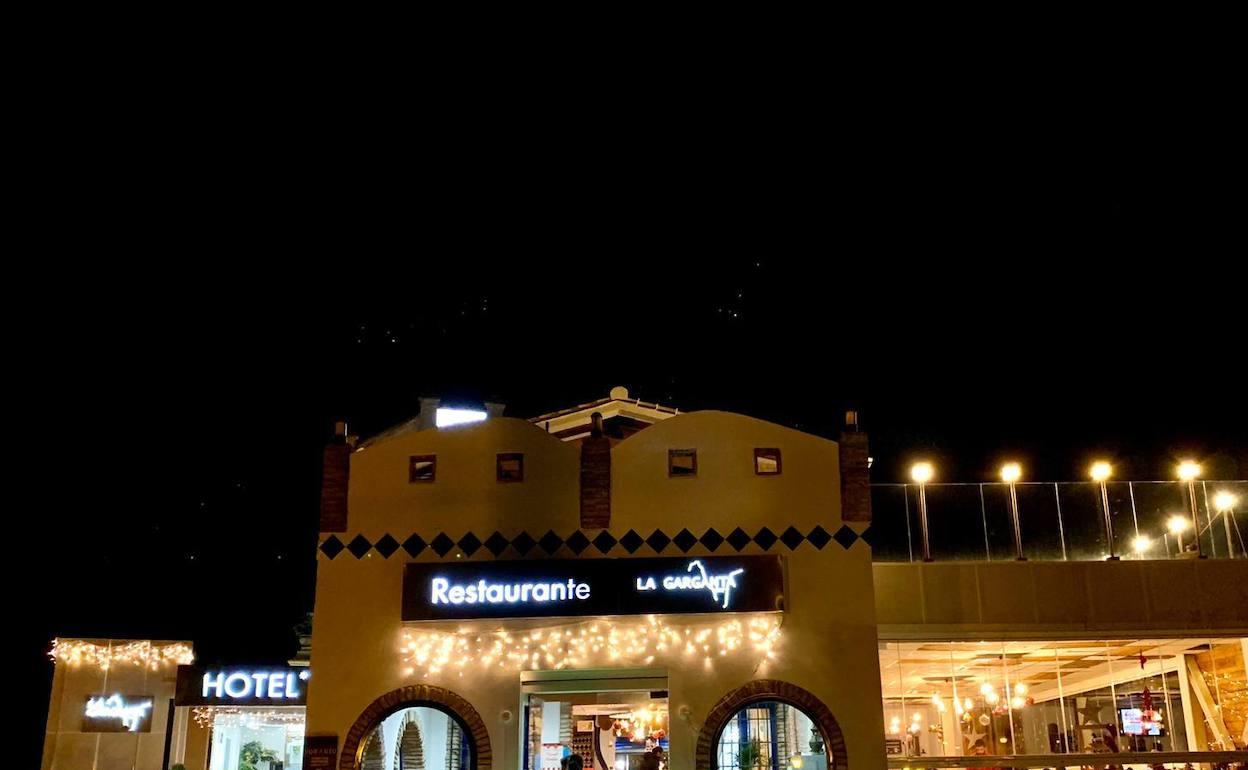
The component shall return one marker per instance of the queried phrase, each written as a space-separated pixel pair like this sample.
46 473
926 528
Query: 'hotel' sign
242 686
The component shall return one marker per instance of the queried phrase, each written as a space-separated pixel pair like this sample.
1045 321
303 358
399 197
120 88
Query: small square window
767 462
510 466
682 462
422 468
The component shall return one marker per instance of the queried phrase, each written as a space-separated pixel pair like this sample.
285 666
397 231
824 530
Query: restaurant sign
117 713
571 587
242 686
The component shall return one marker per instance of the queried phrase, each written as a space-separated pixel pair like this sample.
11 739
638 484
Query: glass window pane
1069 696
682 462
768 735
417 737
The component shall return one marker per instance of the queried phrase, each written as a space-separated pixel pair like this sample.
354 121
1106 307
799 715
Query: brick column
596 482
335 475
855 478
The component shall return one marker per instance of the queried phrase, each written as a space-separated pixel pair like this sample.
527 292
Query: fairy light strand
585 643
141 654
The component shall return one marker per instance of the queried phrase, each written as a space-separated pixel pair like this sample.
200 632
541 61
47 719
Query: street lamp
1189 471
922 473
1225 502
1010 474
1100 472
1177 526
1140 544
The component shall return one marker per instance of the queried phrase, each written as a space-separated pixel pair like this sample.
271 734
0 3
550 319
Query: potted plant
253 753
750 757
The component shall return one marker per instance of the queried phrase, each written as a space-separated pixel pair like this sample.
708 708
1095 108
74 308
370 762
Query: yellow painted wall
829 639
466 494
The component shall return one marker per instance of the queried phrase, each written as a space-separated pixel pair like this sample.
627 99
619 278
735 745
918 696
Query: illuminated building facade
620 576
112 703
145 705
605 580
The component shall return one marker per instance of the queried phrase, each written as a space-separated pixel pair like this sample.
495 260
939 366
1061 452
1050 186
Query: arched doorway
412 711
751 711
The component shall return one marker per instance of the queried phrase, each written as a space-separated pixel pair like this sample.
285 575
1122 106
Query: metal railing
1059 521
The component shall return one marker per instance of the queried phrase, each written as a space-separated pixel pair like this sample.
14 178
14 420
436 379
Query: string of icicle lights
585 643
237 716
78 652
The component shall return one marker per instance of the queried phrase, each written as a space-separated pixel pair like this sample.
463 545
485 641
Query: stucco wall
465 494
828 637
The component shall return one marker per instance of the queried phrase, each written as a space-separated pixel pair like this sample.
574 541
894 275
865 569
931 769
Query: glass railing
1061 520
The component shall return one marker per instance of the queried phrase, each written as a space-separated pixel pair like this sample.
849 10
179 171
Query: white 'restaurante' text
484 592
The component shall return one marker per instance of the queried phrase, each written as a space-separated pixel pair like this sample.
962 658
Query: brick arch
770 690
410 697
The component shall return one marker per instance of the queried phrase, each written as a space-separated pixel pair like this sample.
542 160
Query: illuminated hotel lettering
718 585
131 715
280 685
441 591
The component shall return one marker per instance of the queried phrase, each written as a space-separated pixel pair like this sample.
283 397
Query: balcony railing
1061 521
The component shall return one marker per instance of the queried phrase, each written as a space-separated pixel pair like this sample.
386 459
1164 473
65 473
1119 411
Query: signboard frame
115 724
593 587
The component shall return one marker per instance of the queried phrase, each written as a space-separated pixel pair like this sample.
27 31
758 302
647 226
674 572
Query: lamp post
1010 474
1190 471
1177 524
922 473
1224 501
1101 471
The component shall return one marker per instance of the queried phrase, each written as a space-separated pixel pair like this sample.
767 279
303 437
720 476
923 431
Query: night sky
1045 285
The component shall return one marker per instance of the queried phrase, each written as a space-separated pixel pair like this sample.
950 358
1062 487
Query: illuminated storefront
607 581
254 716
1064 697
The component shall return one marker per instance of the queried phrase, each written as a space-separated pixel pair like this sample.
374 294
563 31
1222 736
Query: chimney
855 472
429 411
335 475
596 478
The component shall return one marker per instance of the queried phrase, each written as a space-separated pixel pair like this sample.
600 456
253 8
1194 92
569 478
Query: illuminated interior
259 738
612 730
1048 697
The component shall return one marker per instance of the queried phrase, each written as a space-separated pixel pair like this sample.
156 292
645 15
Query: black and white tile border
579 543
